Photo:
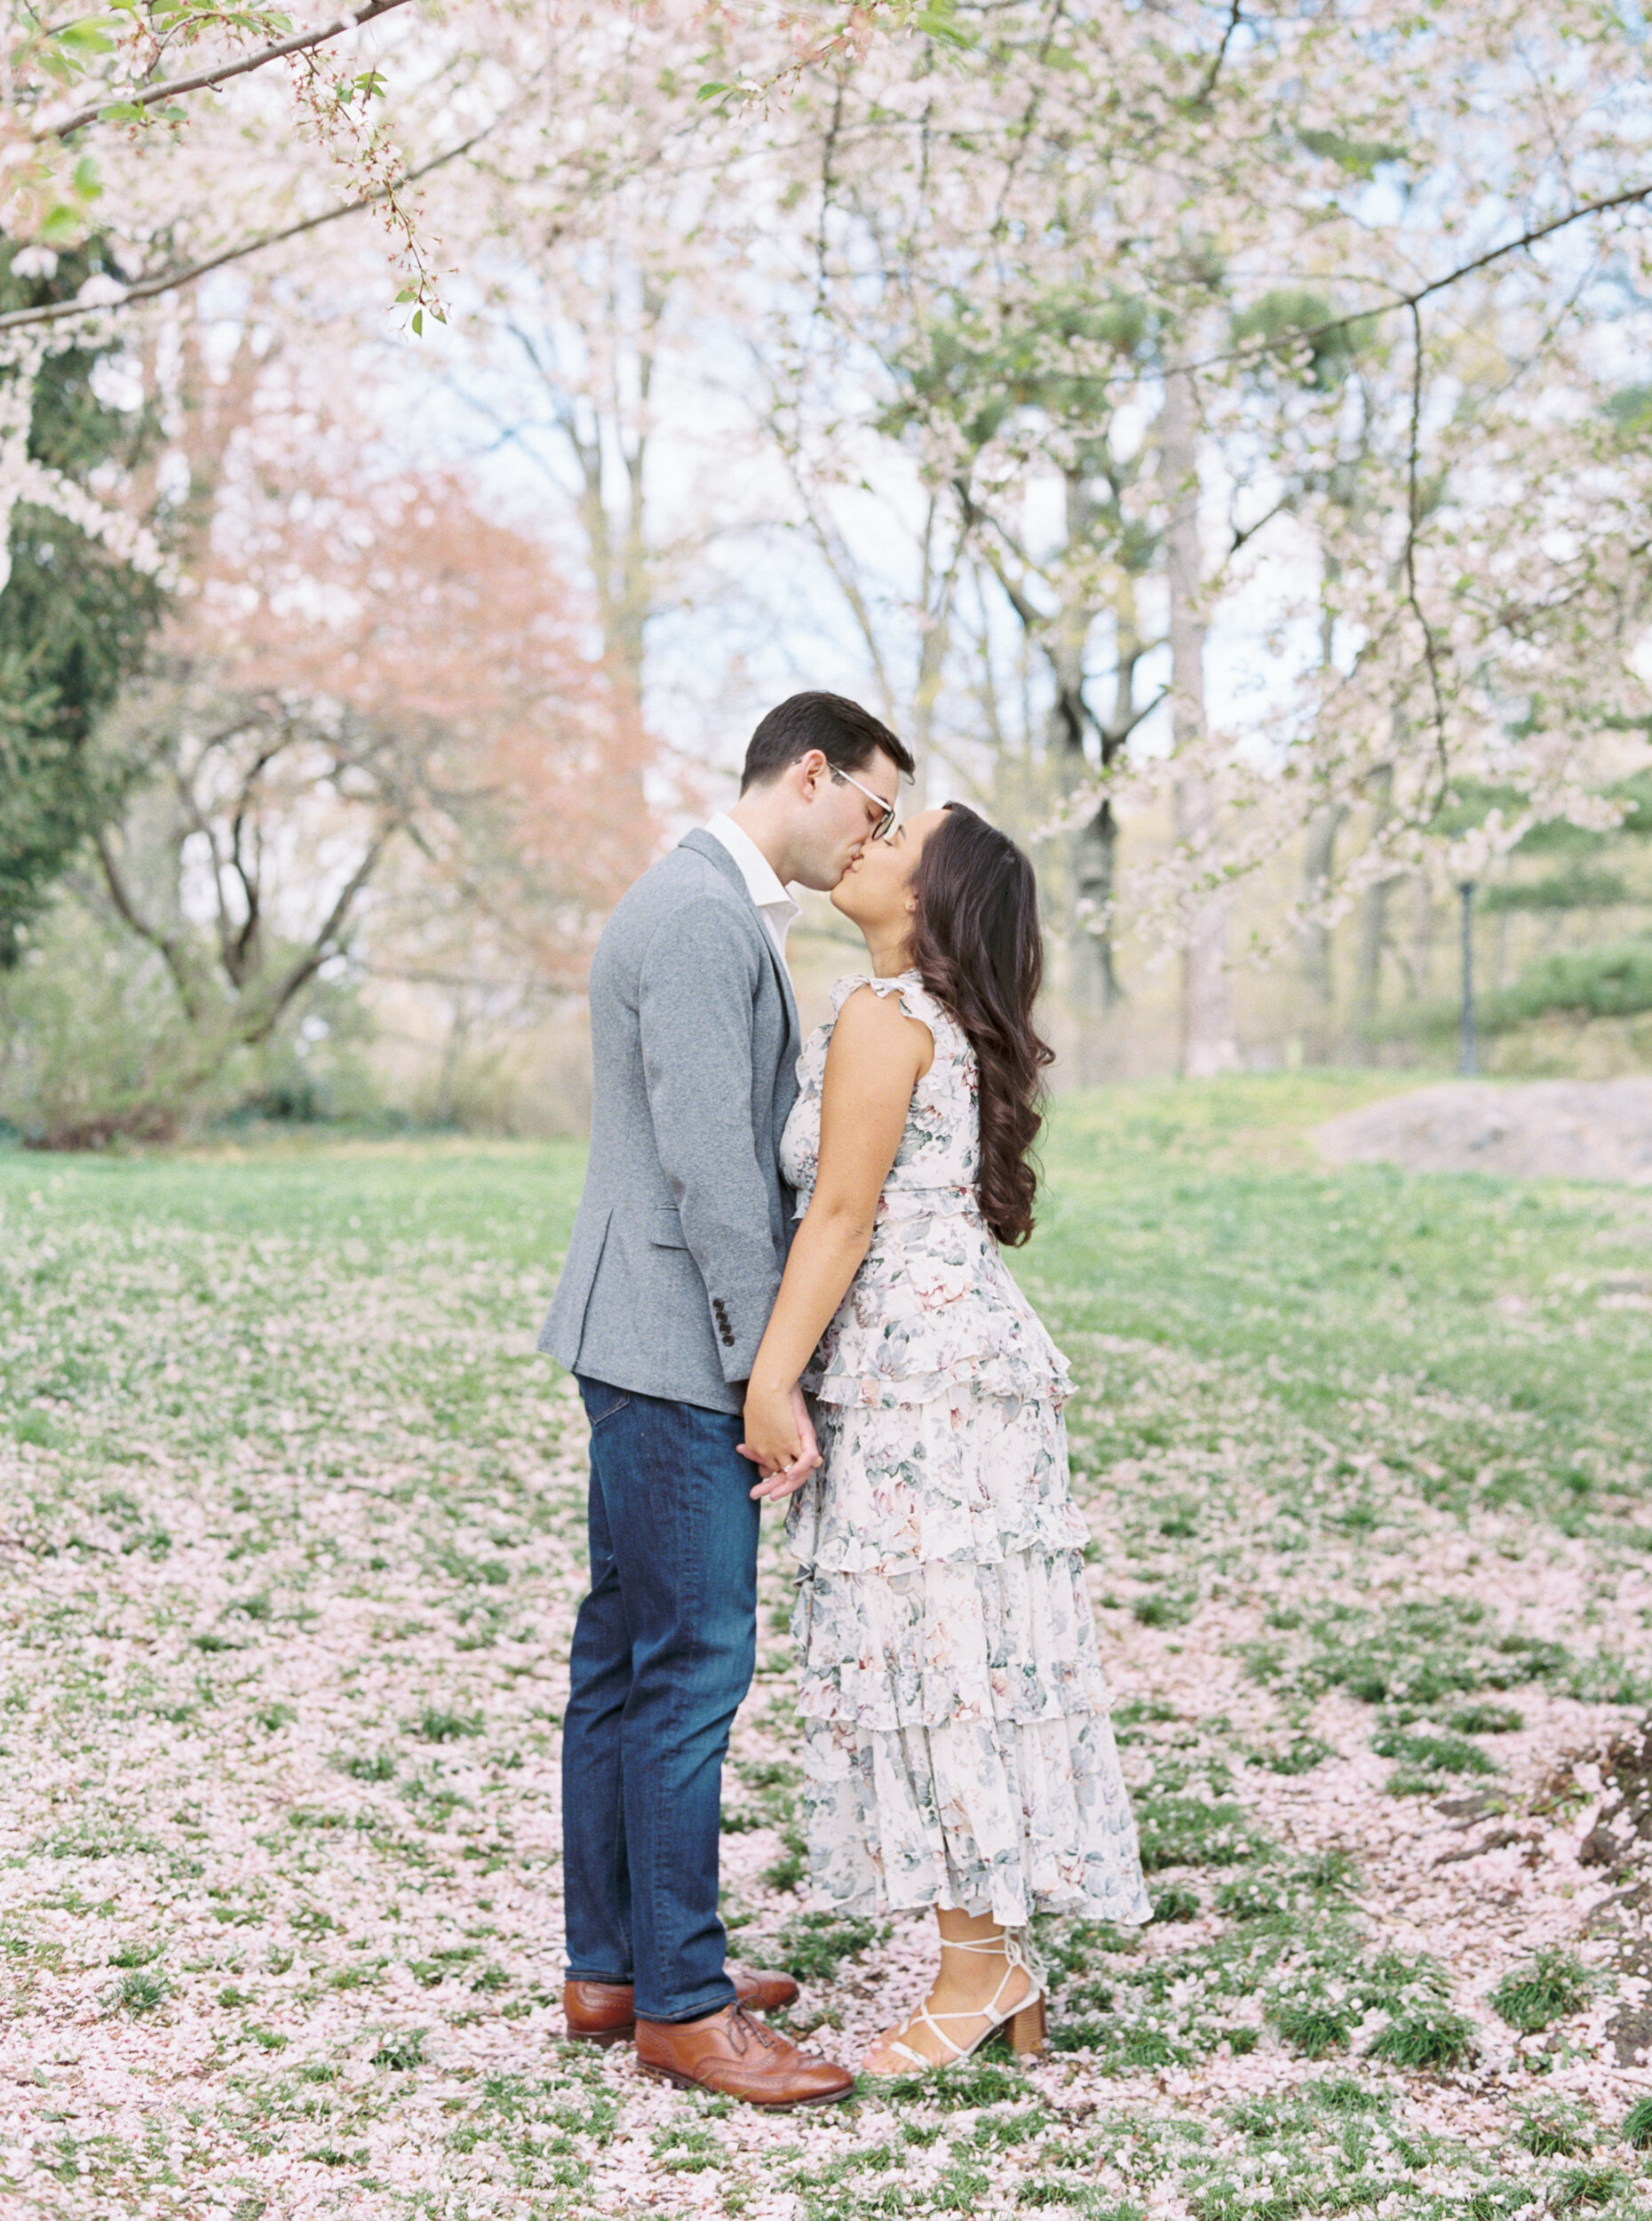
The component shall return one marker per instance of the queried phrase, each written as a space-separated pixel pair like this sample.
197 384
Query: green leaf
121 112
61 223
418 324
88 36
1360 157
87 183
713 93
940 24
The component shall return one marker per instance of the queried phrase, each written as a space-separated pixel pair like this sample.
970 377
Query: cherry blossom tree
372 740
1459 188
155 147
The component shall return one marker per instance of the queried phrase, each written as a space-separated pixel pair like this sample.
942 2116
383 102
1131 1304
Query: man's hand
780 1441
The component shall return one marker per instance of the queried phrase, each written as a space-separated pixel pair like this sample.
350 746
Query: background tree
371 737
74 615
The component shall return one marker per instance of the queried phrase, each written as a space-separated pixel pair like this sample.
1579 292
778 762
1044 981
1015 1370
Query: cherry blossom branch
1023 130
1632 197
1413 487
1215 71
170 280
850 36
172 88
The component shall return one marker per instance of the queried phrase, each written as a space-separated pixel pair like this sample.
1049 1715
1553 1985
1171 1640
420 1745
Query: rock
1620 1840
1546 1129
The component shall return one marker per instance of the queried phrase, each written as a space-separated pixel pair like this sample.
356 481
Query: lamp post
1468 1064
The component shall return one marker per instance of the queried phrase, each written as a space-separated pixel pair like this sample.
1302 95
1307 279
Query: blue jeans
663 1650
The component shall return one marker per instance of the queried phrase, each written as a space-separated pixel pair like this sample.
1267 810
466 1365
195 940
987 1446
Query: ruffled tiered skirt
957 1747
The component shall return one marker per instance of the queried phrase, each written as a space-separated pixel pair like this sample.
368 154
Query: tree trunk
1095 843
1368 958
1373 920
1318 979
1422 936
1095 981
935 588
1090 980
1207 1043
600 429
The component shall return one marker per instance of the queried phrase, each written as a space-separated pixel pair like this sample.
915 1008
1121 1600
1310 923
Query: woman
958 1753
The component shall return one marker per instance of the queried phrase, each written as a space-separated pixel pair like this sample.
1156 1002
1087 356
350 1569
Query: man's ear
808 770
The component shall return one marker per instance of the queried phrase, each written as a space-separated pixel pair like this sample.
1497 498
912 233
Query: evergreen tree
75 621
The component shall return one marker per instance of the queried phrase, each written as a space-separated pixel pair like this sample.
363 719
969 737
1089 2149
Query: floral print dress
957 1747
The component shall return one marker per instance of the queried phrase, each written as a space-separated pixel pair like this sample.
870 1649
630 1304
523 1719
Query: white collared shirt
763 883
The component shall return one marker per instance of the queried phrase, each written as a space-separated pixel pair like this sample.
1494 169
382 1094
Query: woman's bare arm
875 1058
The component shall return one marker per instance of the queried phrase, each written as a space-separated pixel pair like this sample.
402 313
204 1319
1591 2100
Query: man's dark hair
847 736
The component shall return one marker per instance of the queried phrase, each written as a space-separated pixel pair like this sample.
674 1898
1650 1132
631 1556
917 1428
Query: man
672 1270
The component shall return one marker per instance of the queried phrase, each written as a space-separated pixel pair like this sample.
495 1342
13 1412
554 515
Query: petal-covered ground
293 1526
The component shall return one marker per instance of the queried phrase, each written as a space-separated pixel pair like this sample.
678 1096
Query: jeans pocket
602 1402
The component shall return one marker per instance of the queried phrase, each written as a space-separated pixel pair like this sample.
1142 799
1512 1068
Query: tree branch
1209 86
1239 535
172 88
1632 197
1115 733
258 1026
172 281
173 950
1413 487
1032 619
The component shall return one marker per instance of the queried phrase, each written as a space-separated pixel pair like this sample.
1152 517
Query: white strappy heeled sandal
1025 2020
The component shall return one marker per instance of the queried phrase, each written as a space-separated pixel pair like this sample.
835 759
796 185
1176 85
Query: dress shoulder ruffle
915 1000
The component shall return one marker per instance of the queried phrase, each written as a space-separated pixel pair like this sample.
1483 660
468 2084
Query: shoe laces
742 2027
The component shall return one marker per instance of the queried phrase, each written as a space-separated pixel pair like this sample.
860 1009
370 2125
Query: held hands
780 1441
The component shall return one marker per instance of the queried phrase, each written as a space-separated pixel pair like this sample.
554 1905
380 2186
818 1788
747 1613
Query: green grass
1433 2039
813 1945
276 1429
1637 2129
1197 1218
1552 2134
1447 1753
1550 1986
141 1993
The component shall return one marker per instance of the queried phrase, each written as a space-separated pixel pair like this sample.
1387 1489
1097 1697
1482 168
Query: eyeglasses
886 810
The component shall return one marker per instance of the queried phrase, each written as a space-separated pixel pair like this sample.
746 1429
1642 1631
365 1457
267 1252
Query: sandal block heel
1029 2029
1024 2024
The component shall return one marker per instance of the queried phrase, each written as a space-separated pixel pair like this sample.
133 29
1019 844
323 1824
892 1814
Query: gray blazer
684 1223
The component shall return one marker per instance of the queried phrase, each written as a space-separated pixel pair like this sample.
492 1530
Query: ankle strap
1006 1945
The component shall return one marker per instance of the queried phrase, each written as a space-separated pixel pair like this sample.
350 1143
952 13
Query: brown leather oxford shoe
601 2012
737 2057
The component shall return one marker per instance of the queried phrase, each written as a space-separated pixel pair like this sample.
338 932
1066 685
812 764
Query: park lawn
1456 1323
292 1516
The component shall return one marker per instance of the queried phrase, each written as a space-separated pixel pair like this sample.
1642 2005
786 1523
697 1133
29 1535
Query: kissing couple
787 1258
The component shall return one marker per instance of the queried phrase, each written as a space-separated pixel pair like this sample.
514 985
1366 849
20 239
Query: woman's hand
780 1440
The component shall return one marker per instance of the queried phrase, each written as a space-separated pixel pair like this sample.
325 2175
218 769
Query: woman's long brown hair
977 945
